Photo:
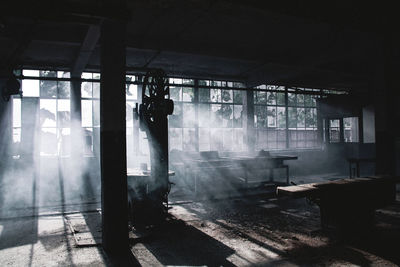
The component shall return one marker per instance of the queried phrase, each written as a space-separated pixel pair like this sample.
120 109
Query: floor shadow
176 243
22 230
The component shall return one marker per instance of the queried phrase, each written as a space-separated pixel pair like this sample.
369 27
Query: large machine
148 200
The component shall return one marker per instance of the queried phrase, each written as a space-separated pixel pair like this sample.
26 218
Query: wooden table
347 203
224 165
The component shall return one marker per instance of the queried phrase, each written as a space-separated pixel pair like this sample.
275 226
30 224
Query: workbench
347 204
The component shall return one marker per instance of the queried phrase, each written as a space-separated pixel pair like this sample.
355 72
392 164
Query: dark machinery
11 87
149 205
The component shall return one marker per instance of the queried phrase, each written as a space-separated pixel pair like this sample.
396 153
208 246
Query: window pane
280 98
261 97
300 117
64 89
63 112
32 73
308 100
48 108
189 139
86 89
300 100
271 98
64 141
227 96
291 99
238 97
96 89
227 115
63 74
129 113
216 115
215 95
189 119
292 117
271 112
350 129
16 112
175 93
188 94
260 117
237 116
204 139
96 113
175 138
311 118
47 73
88 141
334 131
48 89
204 95
175 120
86 75
281 117
48 141
204 115
30 87
87 113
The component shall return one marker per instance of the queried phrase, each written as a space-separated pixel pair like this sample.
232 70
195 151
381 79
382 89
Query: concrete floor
254 230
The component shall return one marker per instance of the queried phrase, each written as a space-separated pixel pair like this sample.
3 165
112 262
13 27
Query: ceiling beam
87 47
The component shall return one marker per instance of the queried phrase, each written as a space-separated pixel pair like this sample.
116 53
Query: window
302 118
220 112
270 117
334 131
53 106
90 108
350 129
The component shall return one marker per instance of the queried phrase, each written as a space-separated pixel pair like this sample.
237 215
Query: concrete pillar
113 139
248 120
5 141
386 123
76 118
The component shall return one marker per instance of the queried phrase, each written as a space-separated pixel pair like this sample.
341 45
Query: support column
76 118
113 139
386 126
248 122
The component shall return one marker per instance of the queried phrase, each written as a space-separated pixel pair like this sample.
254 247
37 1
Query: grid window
270 117
220 112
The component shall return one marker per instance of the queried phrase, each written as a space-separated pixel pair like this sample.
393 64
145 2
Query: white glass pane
86 89
48 109
16 135
63 114
48 144
87 113
86 75
131 92
30 87
16 112
63 74
204 139
32 73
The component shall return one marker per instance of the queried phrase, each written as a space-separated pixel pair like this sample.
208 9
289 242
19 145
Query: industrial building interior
199 133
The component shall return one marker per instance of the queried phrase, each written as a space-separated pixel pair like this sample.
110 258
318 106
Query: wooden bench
347 204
